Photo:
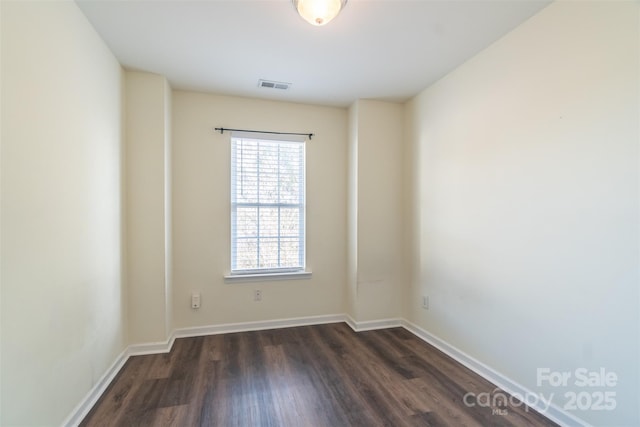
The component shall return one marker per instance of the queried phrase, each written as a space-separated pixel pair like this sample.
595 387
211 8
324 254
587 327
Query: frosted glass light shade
319 12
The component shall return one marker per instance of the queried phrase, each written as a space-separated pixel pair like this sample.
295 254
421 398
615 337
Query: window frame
267 273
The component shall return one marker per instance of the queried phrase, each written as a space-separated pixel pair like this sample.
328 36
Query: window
267 205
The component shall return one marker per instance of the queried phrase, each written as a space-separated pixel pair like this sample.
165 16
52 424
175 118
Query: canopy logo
499 401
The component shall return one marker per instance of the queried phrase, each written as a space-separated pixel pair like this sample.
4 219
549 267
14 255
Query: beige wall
148 158
63 308
376 240
526 201
201 210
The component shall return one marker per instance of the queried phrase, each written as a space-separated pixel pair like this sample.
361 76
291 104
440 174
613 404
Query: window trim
263 277
285 273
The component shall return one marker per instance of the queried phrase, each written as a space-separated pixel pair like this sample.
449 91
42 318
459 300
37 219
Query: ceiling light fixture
319 12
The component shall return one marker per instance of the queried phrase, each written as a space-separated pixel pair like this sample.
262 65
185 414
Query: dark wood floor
324 375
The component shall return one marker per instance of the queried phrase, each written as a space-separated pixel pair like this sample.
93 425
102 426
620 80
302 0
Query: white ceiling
375 49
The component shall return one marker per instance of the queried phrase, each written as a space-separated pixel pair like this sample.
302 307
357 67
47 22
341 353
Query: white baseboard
257 326
554 413
151 347
85 405
370 325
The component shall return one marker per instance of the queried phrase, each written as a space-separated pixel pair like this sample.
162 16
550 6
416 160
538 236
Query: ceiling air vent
270 84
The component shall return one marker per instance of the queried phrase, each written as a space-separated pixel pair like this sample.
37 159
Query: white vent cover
270 84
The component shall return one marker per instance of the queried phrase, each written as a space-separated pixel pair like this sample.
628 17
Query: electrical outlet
195 300
257 295
425 302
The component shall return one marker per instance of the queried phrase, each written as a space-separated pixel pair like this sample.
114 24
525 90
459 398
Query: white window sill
263 277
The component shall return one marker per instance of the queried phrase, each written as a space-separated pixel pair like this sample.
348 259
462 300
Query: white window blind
267 204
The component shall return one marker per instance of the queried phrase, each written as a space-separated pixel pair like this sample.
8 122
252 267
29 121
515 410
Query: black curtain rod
221 130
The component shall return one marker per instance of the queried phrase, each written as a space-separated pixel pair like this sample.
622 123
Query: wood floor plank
311 376
209 406
330 392
380 378
183 369
171 416
294 396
